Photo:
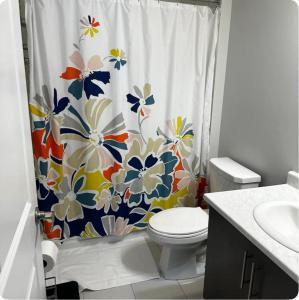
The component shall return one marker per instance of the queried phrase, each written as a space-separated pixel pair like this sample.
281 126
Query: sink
280 220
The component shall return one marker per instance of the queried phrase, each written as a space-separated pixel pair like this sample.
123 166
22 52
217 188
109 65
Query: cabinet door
226 259
269 281
236 269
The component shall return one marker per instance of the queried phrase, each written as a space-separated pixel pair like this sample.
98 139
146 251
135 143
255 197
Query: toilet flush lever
43 215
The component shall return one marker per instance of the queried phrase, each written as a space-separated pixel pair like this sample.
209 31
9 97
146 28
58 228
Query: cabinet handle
252 273
245 256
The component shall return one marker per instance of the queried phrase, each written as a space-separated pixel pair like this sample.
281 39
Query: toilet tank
226 175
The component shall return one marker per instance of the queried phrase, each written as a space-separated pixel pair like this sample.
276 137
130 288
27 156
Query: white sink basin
280 220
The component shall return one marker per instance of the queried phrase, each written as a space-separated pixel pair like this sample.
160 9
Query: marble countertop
237 207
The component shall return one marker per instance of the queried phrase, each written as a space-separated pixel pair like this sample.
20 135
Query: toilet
182 231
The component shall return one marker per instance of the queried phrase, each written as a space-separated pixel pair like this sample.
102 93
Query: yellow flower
117 53
89 26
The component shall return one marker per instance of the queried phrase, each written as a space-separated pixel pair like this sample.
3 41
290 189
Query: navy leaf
156 210
55 97
43 191
114 152
100 76
135 107
150 161
141 225
132 99
56 160
90 87
65 130
116 144
62 104
135 163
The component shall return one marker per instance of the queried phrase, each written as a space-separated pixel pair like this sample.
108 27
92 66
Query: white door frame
22 274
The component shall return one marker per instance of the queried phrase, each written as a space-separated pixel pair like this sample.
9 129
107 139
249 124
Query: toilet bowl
182 231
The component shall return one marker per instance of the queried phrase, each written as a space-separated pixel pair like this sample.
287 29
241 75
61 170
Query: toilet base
182 261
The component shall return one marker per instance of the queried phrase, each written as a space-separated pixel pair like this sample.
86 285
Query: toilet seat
180 222
179 236
179 226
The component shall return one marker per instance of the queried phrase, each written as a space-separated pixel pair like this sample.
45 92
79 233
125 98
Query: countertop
237 207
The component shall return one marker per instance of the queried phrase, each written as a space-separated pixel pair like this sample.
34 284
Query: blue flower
118 56
142 101
85 79
149 174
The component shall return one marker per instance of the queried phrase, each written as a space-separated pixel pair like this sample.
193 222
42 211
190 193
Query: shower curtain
120 103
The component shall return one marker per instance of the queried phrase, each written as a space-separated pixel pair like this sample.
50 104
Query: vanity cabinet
237 269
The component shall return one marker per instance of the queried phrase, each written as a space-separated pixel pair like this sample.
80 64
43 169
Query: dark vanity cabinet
236 269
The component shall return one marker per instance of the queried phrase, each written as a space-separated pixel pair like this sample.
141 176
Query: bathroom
157 153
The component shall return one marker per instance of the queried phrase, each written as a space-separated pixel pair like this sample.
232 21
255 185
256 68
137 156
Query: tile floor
152 289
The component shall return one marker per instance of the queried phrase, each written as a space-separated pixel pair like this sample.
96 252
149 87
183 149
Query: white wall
259 126
220 72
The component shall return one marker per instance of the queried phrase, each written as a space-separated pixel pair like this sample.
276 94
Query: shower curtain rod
195 2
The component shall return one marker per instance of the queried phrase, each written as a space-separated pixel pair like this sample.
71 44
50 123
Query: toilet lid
180 220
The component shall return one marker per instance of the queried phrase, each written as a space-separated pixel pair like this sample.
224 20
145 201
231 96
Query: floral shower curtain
120 102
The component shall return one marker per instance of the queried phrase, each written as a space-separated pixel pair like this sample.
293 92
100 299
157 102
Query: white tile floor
152 289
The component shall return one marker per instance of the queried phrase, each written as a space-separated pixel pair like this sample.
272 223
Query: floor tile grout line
133 291
186 296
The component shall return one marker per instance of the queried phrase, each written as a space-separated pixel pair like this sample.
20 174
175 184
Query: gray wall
25 42
259 126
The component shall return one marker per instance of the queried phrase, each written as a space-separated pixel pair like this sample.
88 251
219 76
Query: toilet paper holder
52 289
43 215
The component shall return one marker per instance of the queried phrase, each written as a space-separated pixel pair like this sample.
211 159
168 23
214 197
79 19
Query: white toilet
182 231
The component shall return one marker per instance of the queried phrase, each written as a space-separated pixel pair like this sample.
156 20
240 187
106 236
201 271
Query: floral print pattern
99 176
89 25
73 197
101 146
118 57
85 77
141 103
47 115
181 136
148 173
